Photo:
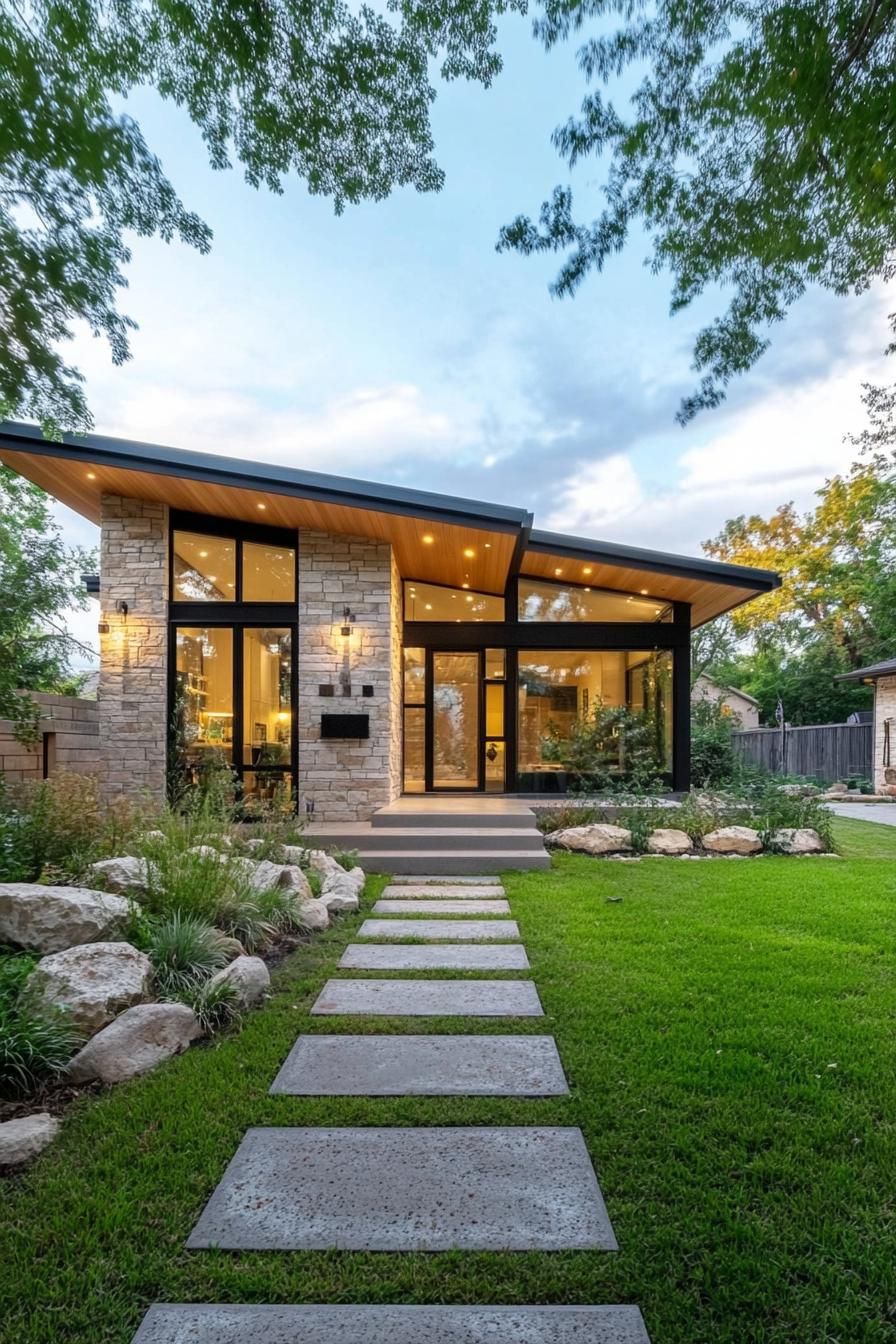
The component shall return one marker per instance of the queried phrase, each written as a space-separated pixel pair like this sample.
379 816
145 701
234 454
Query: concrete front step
433 810
367 838
451 862
208 1323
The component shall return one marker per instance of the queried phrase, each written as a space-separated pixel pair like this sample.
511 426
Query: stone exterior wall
133 689
347 780
884 708
71 726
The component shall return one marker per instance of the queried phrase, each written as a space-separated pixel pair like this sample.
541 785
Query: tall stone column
133 687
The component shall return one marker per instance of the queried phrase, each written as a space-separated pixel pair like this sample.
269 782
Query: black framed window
233 674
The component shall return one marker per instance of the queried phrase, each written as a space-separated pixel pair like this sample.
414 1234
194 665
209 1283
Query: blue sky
394 343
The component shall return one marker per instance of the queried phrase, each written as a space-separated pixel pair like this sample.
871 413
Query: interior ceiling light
643 592
465 585
429 606
203 554
469 597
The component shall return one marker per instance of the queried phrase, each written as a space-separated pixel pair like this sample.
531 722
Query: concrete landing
202 1323
440 907
422 1066
436 957
447 930
429 998
434 1189
427 879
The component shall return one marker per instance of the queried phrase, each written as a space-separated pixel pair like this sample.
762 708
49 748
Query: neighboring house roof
436 538
728 690
870 673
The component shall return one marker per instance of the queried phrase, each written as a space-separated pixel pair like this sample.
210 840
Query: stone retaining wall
70 739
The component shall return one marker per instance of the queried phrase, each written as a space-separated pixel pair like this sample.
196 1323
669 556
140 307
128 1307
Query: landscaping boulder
733 840
231 947
598 838
125 875
50 919
338 899
666 840
293 879
315 915
798 840
136 1042
207 852
248 977
22 1139
94 983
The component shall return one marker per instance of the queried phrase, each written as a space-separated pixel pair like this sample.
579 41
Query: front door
455 733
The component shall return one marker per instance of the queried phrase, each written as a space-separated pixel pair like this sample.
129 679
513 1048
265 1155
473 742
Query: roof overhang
870 673
435 538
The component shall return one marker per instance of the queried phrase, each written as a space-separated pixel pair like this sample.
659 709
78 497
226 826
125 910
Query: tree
758 155
40 578
337 95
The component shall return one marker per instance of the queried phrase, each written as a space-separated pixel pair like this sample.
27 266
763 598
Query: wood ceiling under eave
80 485
708 598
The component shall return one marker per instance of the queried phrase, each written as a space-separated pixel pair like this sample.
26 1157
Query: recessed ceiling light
428 539
203 554
488 545
643 592
558 572
469 597
262 506
469 552
587 569
465 585
429 606
91 475
212 578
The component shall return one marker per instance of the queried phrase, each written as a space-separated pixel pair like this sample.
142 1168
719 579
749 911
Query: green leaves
338 95
757 153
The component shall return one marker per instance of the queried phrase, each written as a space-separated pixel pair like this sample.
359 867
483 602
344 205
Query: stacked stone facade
884 708
133 688
348 779
69 732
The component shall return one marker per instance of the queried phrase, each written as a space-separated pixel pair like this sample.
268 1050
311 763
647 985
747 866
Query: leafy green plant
346 858
282 910
215 1005
34 1046
777 809
184 950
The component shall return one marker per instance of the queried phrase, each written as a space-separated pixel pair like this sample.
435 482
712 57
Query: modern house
354 642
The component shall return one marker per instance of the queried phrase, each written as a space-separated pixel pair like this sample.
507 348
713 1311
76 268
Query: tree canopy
340 96
758 154
40 581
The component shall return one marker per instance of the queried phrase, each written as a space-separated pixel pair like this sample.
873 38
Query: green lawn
728 1032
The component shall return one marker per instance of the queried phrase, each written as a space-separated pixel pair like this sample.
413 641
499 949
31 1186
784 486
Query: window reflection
204 568
554 602
269 573
429 602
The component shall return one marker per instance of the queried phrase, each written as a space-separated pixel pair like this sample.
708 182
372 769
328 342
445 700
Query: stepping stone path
438 957
422 1066
420 907
435 930
402 1189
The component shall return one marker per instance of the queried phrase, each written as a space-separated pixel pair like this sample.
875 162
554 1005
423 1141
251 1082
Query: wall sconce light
103 628
348 620
121 607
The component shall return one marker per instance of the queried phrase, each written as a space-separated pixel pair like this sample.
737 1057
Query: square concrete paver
434 1189
421 907
447 891
445 930
429 998
422 1066
205 1323
434 957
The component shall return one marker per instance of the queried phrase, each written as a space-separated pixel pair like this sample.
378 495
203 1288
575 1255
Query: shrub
34 1047
561 818
184 950
214 1005
346 858
52 830
776 808
714 761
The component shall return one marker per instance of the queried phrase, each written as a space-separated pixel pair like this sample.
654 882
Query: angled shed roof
436 538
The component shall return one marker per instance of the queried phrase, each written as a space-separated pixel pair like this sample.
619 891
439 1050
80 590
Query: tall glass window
414 720
203 699
588 720
542 601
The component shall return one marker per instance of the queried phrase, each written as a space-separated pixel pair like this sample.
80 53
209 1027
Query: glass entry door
455 720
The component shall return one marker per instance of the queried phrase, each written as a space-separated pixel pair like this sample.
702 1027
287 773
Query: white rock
23 1139
798 840
136 1042
207 852
315 915
50 919
125 875
322 863
598 838
667 840
339 900
248 977
293 879
94 983
733 840
151 837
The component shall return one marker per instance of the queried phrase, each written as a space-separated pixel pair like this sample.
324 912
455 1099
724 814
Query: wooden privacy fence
824 752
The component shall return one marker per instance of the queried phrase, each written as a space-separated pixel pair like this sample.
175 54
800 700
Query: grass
727 1030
